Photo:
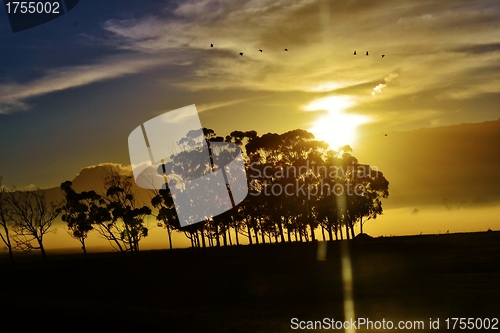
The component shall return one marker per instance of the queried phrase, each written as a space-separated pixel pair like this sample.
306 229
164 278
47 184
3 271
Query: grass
255 288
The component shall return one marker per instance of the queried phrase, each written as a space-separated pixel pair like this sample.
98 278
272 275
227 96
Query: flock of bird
383 55
286 50
241 53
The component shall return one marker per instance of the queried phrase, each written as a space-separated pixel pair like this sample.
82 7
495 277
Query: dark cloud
479 49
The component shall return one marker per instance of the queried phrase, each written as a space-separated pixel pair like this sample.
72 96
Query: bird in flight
354 52
366 52
211 45
241 53
383 55
260 50
286 49
386 135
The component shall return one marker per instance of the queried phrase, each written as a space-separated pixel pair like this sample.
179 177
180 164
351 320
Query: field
257 288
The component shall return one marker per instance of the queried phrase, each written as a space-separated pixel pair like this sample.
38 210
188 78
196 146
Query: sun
337 128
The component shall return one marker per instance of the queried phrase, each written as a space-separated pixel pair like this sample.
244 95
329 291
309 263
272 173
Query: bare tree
5 223
32 218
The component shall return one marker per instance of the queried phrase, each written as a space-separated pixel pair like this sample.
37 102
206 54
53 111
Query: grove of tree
297 188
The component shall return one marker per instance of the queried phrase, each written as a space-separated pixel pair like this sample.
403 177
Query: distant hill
425 166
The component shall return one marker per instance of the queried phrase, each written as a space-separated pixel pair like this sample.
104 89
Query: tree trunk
217 240
313 236
249 233
42 249
11 254
282 235
129 240
262 233
198 237
169 231
203 244
255 230
224 237
7 242
84 248
111 237
117 242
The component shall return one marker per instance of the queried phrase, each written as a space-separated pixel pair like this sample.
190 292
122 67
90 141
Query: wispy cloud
217 105
429 44
378 89
14 96
320 36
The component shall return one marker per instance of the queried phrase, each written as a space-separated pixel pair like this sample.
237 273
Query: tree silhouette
167 215
197 187
81 211
32 218
127 218
271 157
294 161
328 215
5 223
369 185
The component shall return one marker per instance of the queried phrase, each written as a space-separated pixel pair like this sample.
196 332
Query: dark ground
255 288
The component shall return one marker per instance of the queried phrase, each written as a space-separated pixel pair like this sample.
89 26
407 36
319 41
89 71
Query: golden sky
72 90
88 78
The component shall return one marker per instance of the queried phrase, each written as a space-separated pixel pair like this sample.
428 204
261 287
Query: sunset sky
72 90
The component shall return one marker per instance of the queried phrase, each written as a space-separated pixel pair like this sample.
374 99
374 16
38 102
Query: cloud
196 24
233 28
14 96
389 78
122 169
30 187
479 48
320 37
429 44
212 106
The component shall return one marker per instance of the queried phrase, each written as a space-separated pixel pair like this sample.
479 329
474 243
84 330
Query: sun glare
337 128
